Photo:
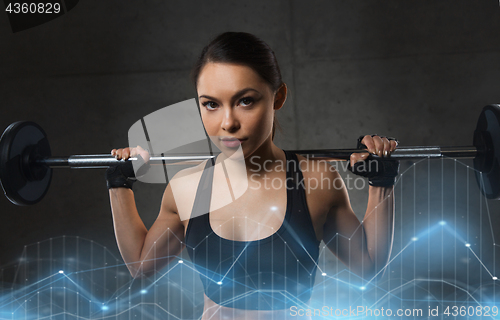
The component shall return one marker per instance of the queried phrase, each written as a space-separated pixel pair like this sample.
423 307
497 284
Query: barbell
26 163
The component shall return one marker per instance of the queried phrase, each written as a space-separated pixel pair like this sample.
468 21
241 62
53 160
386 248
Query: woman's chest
260 211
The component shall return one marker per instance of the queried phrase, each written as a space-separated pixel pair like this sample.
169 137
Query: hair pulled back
245 49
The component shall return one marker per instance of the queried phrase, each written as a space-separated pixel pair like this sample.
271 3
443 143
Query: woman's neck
265 158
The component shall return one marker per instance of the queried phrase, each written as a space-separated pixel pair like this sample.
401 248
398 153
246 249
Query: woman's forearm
130 231
378 225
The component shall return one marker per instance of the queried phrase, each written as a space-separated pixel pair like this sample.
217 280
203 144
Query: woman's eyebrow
243 91
236 95
207 97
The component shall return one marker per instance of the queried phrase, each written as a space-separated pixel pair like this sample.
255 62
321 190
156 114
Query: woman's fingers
126 153
368 142
387 147
380 146
394 144
123 153
374 144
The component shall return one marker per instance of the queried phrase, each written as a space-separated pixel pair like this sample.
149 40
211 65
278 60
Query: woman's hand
122 174
376 145
380 172
126 153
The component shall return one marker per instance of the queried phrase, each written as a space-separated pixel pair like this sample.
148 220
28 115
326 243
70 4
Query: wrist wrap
381 172
120 175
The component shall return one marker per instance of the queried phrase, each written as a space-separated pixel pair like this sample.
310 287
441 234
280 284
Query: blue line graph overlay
444 256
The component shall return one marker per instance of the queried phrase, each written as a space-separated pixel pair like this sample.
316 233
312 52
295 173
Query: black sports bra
272 273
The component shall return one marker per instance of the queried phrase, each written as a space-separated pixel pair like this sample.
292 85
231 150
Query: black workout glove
121 175
381 172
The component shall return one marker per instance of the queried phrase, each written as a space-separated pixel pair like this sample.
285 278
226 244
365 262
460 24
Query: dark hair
246 49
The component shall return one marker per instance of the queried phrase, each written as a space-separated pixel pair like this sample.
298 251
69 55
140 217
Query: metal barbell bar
403 153
26 163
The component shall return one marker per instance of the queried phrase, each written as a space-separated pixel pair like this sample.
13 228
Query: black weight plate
24 183
487 142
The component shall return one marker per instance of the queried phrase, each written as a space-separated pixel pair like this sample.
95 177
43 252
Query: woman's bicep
343 233
341 222
168 226
165 238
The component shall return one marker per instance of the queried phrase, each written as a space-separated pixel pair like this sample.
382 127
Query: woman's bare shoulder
188 177
181 190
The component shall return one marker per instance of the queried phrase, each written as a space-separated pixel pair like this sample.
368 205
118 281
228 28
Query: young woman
257 256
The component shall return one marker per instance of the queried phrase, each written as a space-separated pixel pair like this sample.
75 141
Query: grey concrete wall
420 71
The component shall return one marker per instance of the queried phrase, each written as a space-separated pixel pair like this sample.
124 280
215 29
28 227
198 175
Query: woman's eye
210 105
246 102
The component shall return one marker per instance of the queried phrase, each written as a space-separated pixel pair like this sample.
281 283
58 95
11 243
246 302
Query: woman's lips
232 143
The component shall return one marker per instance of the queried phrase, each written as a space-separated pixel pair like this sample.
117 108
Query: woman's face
237 106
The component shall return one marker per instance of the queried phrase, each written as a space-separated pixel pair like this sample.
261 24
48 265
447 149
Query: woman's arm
378 224
364 247
145 251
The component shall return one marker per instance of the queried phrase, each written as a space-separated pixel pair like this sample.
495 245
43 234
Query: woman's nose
230 123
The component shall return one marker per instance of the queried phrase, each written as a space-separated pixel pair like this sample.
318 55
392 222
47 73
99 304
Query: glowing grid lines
123 301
